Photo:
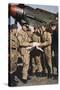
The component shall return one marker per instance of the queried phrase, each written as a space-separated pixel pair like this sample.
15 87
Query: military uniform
46 44
13 55
13 52
36 60
24 42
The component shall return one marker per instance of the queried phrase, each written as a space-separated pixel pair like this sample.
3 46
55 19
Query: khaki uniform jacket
13 52
47 41
13 47
24 41
36 38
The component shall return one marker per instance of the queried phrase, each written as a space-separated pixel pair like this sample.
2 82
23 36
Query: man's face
14 30
53 27
24 28
36 30
43 28
30 33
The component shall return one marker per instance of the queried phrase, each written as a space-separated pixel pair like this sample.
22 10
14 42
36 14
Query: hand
36 44
40 44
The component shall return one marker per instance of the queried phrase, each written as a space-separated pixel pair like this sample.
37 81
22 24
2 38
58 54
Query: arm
47 42
22 42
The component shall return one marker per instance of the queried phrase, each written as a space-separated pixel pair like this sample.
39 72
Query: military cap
25 24
35 27
45 25
52 23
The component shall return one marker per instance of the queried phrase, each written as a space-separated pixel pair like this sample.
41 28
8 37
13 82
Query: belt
14 48
23 46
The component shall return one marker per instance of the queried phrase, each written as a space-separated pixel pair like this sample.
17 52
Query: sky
53 9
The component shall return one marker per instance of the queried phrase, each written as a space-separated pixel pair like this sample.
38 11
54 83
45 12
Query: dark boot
50 76
24 81
12 80
33 74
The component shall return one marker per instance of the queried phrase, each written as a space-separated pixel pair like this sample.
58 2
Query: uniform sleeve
20 39
39 40
48 40
22 42
13 41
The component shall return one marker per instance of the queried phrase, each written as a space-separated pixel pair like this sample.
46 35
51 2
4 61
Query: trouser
36 64
13 60
26 60
48 61
36 61
56 58
12 66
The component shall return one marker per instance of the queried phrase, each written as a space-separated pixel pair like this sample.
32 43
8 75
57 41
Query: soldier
24 42
36 57
13 52
54 29
46 42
